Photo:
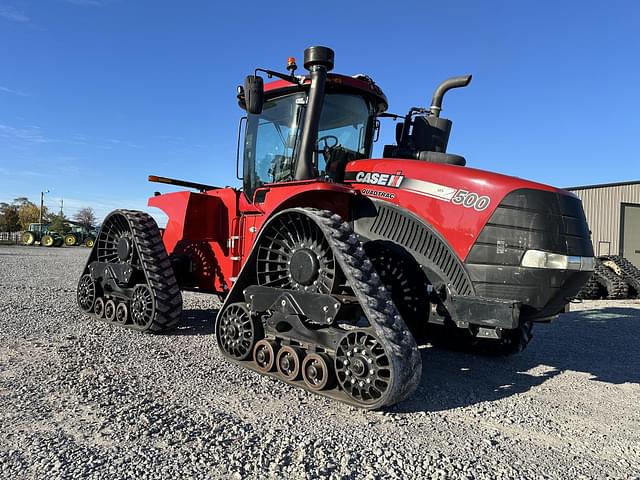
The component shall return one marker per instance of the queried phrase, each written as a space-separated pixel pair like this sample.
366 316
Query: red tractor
332 263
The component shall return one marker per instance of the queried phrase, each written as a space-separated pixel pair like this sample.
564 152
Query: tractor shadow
602 343
196 322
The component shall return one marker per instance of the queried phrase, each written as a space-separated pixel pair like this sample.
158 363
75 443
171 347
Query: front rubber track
375 301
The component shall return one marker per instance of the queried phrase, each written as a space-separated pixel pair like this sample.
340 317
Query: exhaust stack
319 61
444 87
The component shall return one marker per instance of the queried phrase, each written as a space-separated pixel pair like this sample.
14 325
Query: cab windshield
272 138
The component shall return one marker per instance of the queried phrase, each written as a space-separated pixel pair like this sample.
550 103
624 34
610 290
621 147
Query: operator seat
336 160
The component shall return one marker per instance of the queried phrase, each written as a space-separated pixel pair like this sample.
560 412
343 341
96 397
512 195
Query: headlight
556 261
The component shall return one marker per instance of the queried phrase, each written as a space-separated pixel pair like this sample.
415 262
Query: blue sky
97 94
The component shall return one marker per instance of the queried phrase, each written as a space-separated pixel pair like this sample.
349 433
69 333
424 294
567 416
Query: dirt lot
80 399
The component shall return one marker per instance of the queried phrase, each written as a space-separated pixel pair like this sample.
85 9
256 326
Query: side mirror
254 94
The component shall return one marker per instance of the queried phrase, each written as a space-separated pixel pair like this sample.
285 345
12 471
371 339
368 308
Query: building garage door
630 233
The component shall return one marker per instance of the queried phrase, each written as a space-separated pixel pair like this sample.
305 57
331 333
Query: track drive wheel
28 238
237 331
295 255
70 240
407 283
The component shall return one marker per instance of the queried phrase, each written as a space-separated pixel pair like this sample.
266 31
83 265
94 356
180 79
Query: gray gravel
80 399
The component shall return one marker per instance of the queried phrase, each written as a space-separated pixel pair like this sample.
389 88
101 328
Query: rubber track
157 269
590 290
616 287
376 303
630 273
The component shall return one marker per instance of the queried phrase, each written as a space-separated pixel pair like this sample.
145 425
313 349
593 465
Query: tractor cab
307 127
273 136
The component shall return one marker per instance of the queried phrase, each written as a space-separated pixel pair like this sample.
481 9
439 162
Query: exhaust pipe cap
318 56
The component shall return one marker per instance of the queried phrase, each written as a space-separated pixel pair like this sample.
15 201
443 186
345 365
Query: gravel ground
80 399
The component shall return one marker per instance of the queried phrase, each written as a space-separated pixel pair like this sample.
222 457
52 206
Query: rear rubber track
158 272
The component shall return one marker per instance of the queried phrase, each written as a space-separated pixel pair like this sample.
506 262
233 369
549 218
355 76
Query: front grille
528 219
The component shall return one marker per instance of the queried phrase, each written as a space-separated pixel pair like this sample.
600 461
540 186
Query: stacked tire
614 277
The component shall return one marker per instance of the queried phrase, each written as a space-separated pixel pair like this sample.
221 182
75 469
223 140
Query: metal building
613 213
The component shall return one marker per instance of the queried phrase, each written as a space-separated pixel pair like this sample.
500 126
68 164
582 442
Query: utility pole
61 206
42 205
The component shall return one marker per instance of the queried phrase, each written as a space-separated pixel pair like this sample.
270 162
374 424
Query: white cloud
14 92
13 15
30 134
88 3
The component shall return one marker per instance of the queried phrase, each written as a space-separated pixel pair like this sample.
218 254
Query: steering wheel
326 140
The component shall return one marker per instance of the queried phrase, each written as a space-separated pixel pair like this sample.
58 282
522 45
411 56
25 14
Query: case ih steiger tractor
332 263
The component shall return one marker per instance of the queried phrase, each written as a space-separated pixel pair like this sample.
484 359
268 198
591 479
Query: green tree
59 223
9 218
29 212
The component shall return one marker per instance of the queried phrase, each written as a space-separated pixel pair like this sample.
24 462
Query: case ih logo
375 178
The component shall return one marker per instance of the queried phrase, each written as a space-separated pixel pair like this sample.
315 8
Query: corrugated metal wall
602 207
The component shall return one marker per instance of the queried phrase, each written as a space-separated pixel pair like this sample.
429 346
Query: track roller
98 307
110 310
122 313
317 371
288 362
264 354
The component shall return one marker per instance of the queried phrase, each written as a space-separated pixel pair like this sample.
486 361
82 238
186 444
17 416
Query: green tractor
39 232
80 235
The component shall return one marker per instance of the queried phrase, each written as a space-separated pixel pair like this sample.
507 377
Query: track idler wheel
237 331
264 354
86 293
363 367
288 362
142 306
317 371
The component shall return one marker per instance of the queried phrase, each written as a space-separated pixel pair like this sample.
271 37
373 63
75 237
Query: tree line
17 215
